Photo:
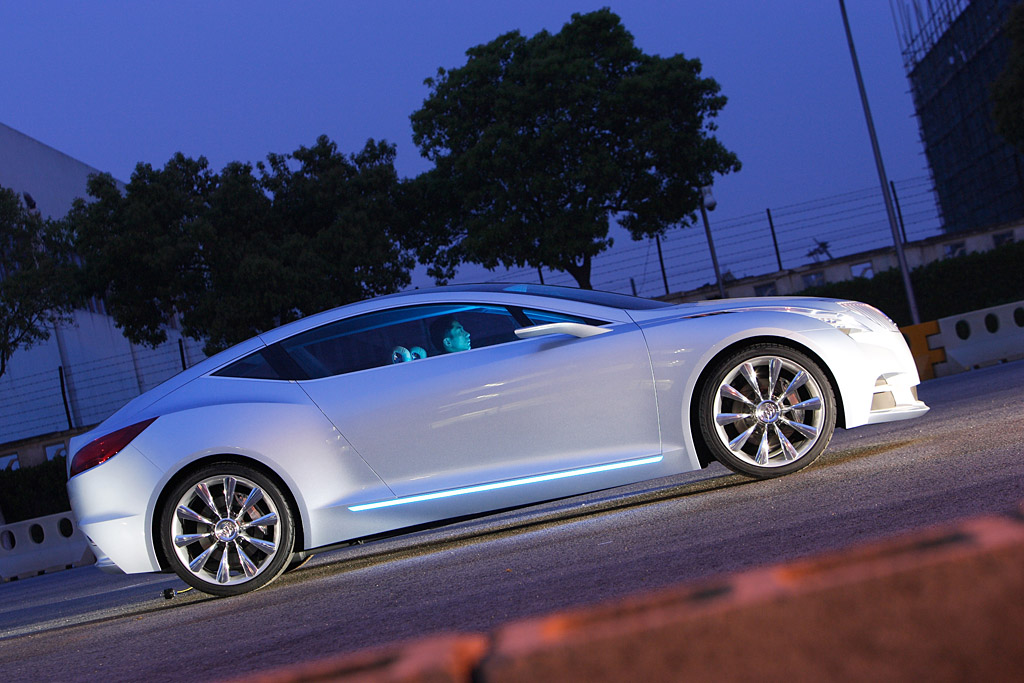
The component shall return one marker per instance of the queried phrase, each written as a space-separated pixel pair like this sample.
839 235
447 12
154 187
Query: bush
942 288
34 491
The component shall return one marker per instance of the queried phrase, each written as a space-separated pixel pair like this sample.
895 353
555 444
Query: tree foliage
1008 89
36 276
245 250
540 143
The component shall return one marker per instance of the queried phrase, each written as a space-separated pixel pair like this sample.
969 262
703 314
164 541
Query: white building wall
52 178
102 370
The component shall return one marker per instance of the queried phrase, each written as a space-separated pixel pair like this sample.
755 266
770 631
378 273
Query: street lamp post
900 256
708 203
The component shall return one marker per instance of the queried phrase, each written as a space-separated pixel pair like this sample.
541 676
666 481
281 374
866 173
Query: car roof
582 301
589 296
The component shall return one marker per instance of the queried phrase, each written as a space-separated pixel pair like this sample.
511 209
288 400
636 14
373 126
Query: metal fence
57 398
819 229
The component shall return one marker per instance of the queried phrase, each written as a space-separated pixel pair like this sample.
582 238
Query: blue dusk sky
117 83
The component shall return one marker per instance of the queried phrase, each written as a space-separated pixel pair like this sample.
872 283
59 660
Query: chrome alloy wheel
226 530
769 411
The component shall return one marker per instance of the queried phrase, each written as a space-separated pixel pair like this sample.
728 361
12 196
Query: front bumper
892 402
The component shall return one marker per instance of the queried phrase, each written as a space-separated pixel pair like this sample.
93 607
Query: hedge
34 491
942 288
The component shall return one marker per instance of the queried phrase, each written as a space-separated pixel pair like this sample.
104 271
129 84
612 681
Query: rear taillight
106 447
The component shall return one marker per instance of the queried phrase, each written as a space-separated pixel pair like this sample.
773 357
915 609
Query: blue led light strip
506 484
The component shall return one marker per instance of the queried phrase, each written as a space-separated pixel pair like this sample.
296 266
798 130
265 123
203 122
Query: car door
504 409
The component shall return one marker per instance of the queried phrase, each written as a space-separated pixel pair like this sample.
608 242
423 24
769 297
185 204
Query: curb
946 602
437 659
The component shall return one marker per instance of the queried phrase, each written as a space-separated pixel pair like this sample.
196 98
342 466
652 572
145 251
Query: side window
484 326
537 317
253 366
398 335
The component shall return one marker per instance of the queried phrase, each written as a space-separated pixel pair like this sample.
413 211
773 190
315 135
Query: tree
539 143
339 222
140 249
229 255
36 276
1008 88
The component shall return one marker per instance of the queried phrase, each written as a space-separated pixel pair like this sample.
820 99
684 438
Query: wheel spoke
197 564
774 369
740 441
763 450
229 494
727 391
203 491
809 404
188 539
255 496
730 418
787 447
266 546
750 374
248 565
798 381
224 570
187 513
265 520
807 431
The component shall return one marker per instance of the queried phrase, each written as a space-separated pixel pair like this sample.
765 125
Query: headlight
844 322
855 317
873 317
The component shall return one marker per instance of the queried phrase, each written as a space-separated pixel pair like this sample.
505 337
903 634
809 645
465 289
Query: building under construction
953 50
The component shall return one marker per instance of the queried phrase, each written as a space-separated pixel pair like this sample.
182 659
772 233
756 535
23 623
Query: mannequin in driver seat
448 335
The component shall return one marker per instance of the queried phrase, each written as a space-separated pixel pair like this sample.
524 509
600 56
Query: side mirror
574 329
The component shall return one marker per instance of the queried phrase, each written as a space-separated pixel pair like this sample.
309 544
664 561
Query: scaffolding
953 50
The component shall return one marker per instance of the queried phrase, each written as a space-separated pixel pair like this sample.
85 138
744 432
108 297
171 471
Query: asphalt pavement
964 458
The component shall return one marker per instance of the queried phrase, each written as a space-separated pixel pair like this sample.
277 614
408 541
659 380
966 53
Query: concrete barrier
942 604
925 356
980 338
41 545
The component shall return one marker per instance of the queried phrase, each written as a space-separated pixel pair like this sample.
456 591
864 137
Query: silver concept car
429 405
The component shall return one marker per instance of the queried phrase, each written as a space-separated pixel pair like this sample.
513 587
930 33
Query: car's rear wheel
227 529
767 410
297 562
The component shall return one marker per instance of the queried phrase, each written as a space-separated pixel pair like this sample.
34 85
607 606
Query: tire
296 563
767 410
210 535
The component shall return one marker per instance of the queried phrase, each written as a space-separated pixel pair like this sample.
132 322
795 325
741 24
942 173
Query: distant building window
56 450
9 462
96 305
1001 238
865 270
767 289
814 279
955 249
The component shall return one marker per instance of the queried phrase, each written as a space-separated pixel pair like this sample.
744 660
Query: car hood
716 306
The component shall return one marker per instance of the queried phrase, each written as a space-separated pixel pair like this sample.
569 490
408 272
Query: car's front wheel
767 410
227 529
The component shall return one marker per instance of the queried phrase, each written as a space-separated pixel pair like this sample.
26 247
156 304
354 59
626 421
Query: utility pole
911 301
